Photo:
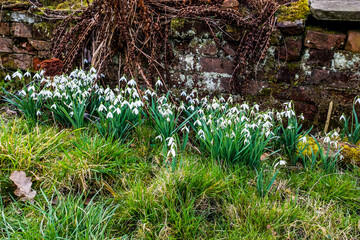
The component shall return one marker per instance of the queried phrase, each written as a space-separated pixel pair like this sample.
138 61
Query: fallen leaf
264 156
23 185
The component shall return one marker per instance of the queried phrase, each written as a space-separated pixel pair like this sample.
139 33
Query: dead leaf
23 185
264 156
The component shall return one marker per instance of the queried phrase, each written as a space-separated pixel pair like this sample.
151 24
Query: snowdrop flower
135 111
38 113
37 76
267 133
22 93
158 83
92 70
301 117
171 140
357 100
244 107
326 139
17 74
172 151
132 83
53 106
71 113
183 94
303 139
267 124
281 163
191 108
159 137
201 134
117 110
27 74
343 117
109 115
222 99
31 88
185 129
102 108
197 122
246 141
8 78
256 107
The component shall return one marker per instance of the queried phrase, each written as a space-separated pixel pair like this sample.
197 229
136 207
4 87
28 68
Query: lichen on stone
296 11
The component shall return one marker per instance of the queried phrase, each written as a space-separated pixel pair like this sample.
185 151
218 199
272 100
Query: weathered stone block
22 45
291 50
291 28
4 28
40 45
338 10
6 45
43 30
21 30
320 58
324 41
17 61
353 41
217 65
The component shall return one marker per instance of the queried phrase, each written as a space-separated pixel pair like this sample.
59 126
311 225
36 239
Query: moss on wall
295 11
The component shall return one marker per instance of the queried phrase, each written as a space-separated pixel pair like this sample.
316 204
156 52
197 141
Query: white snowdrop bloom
181 107
135 111
244 118
246 141
185 128
135 94
8 78
37 76
122 79
222 99
343 117
357 101
281 163
197 122
109 115
303 139
326 139
158 83
117 110
335 134
146 98
191 108
267 133
148 92
27 74
256 107
201 111
191 101
170 140
183 94
71 113
287 105
38 113
215 105
244 107
92 70
246 131
172 151
33 95
267 124
168 119
301 117
290 127
22 93
17 74
53 106
111 107
132 83
102 108
232 135
31 88
159 137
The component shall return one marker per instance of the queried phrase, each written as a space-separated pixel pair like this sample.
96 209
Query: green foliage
351 127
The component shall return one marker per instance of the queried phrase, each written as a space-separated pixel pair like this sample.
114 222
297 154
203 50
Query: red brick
217 65
21 30
353 42
324 41
6 45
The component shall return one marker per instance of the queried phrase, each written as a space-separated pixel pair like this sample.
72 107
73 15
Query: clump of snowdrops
226 132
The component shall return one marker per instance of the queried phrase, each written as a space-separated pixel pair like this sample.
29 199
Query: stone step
337 10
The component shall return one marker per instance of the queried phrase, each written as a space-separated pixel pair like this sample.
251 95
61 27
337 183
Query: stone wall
310 65
25 38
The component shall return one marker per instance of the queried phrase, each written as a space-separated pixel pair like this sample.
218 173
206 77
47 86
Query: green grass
136 196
